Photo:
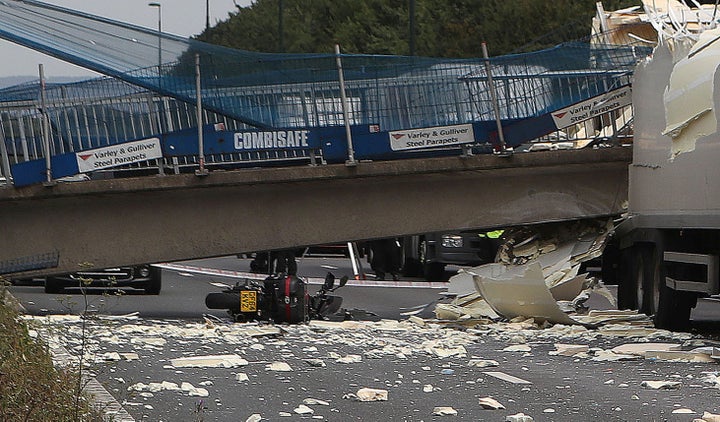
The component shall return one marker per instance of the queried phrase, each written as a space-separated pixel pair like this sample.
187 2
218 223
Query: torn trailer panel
670 241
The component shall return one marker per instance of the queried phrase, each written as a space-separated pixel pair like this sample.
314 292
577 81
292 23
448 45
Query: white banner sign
593 107
431 137
118 155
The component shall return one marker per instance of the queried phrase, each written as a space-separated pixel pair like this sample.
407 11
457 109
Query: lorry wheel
412 267
674 309
53 285
434 271
609 266
641 268
628 290
652 275
155 284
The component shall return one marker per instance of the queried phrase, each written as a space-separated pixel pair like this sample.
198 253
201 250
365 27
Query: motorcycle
278 298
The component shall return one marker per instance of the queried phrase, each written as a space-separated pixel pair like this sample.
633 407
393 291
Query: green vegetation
31 388
443 28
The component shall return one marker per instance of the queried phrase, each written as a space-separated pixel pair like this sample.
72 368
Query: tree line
432 28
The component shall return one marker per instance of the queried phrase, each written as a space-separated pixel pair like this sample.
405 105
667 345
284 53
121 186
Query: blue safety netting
302 90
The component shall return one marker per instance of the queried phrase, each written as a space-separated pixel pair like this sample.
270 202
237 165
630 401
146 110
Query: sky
180 17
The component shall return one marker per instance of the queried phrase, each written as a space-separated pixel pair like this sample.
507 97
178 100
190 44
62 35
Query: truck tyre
675 306
642 271
674 309
53 285
154 285
629 296
610 265
412 267
653 273
433 271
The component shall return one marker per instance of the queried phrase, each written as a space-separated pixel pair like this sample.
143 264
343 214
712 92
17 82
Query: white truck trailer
670 242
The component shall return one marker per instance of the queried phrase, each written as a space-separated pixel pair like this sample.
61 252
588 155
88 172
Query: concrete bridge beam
158 219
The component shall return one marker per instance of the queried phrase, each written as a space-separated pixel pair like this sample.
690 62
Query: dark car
145 277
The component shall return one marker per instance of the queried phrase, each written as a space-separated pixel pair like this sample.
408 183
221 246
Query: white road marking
310 280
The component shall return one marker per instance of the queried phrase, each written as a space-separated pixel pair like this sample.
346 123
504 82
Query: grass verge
31 388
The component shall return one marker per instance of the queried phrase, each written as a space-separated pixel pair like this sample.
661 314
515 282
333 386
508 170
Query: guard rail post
351 152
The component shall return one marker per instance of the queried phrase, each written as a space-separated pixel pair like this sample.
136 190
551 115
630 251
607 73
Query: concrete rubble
519 417
303 410
444 411
371 394
278 367
661 385
214 361
341 346
490 403
679 356
536 274
708 417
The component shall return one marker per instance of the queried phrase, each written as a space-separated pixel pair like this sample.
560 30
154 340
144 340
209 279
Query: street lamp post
207 15
161 170
159 9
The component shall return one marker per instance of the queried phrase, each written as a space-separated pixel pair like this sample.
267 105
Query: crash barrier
392 104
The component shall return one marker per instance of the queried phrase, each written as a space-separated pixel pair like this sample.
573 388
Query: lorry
665 253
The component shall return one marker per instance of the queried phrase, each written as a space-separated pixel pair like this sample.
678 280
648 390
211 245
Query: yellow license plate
248 301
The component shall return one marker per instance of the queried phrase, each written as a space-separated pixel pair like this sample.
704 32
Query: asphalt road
184 290
420 367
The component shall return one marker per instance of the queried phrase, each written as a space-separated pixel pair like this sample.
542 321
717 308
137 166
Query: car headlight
452 241
144 271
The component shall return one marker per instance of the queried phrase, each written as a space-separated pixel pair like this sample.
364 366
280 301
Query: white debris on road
255 417
506 377
640 349
518 348
430 357
211 361
490 403
678 356
312 402
444 411
708 417
303 410
536 274
157 387
569 349
444 348
371 394
317 363
349 359
483 363
519 417
278 367
683 411
712 379
661 385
